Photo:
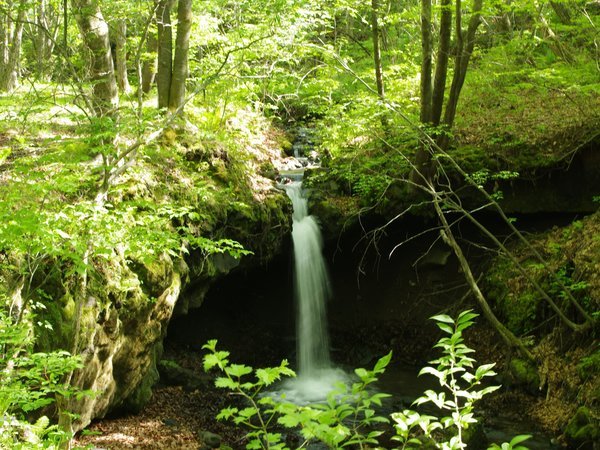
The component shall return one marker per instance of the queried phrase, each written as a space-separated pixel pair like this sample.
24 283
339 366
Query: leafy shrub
349 415
30 382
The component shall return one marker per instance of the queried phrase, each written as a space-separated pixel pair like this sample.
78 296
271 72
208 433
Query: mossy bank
104 279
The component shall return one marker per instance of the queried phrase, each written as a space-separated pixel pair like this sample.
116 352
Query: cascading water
316 375
312 287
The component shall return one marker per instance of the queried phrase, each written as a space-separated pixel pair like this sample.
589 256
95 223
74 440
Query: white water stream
316 375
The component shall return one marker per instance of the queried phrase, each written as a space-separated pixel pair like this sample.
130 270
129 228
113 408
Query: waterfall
311 286
316 375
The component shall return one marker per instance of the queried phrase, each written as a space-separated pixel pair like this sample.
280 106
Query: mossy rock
143 392
59 314
583 429
475 436
524 373
589 366
286 146
172 374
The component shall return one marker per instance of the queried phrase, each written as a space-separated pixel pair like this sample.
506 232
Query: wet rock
475 436
436 257
171 422
172 374
211 440
523 373
224 262
289 164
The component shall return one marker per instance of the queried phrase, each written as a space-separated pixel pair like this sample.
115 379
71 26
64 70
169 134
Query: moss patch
583 429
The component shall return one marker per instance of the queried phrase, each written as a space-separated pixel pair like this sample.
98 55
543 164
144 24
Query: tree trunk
448 236
432 102
180 63
44 34
11 51
426 49
463 55
121 56
94 31
441 64
421 173
149 66
41 38
562 11
376 47
165 52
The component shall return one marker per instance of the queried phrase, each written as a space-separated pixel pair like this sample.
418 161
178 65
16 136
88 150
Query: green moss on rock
59 315
143 393
524 373
583 429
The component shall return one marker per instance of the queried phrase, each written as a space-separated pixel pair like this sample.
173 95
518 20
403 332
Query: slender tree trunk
94 31
421 173
432 102
44 35
5 26
426 63
149 66
165 52
562 11
41 38
448 236
6 31
441 64
65 36
463 55
376 47
121 56
11 52
180 63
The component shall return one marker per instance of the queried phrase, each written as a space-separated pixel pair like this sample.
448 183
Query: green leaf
361 373
268 375
520 438
227 413
226 383
430 370
289 421
485 370
254 444
238 370
443 318
247 413
382 363
445 327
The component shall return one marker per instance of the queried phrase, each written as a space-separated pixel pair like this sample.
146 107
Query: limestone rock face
120 341
116 317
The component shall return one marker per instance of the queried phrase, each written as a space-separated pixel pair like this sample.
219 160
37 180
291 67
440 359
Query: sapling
462 385
348 417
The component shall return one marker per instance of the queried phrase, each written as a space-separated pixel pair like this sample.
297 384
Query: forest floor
175 418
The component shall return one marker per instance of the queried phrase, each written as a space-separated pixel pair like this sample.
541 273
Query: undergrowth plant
349 416
461 386
235 378
29 383
346 418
